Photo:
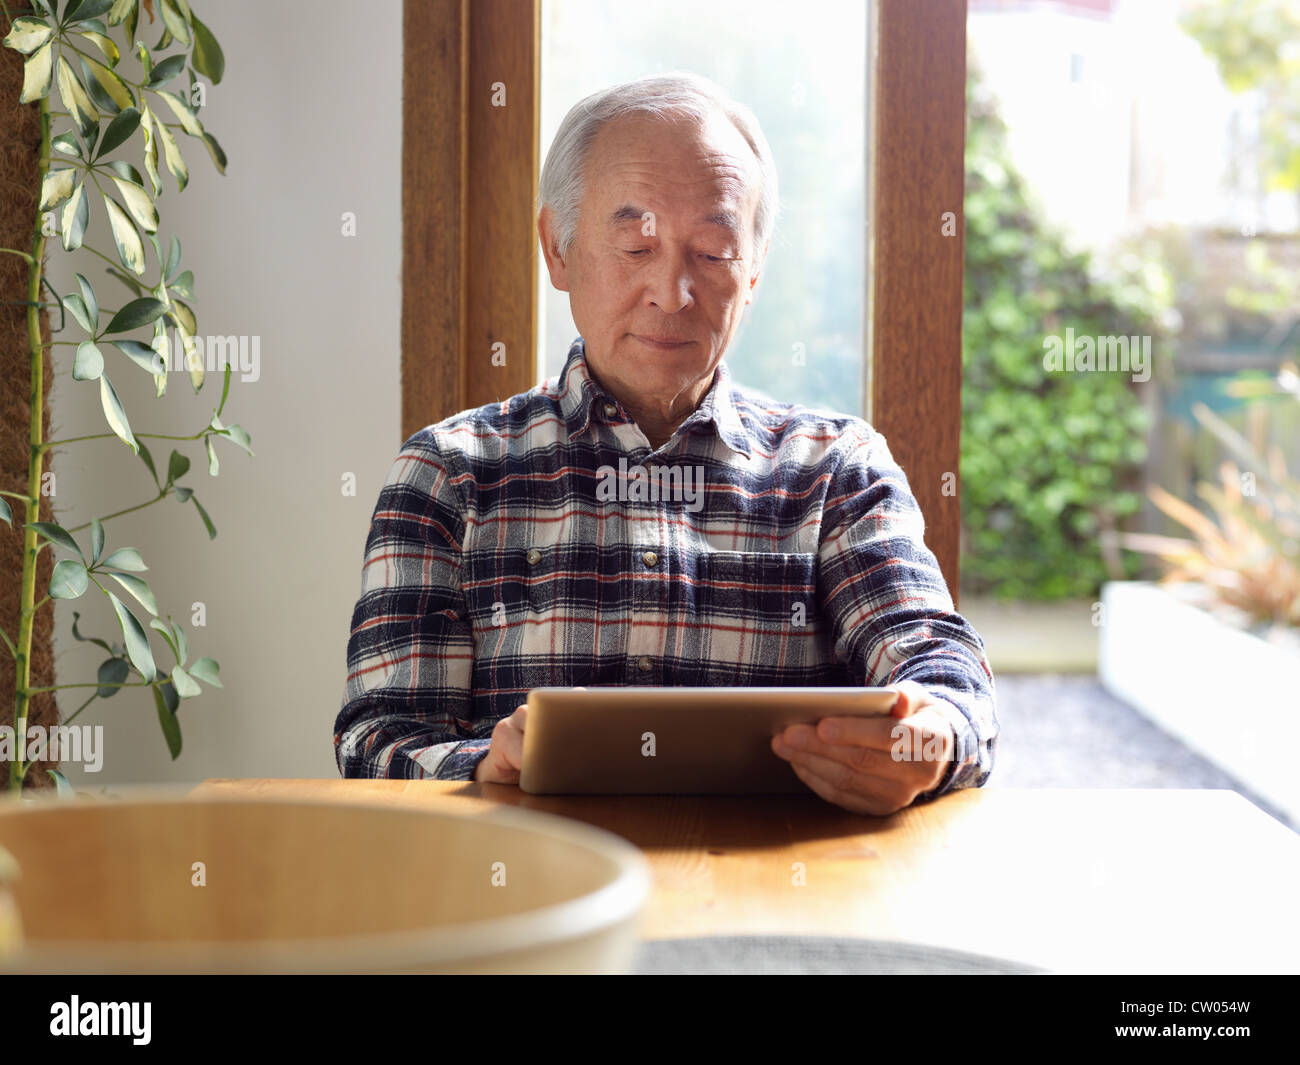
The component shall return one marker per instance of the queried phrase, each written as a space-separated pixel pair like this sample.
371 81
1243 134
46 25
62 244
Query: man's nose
671 283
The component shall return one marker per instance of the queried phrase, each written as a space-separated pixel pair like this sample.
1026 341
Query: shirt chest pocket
763 589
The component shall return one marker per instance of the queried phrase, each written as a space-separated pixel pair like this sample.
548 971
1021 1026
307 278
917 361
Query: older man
642 520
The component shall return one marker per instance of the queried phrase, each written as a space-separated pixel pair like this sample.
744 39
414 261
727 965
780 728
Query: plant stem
96 684
68 720
22 666
119 513
104 436
20 254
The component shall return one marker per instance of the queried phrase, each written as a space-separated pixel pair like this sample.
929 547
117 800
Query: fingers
505 758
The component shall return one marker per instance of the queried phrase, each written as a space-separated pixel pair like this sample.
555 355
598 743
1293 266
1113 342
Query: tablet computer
675 741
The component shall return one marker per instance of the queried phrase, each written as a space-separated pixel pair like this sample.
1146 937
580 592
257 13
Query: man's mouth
664 343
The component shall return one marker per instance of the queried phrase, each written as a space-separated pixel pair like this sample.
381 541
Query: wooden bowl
294 886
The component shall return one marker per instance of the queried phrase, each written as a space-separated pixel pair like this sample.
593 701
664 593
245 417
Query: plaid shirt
506 553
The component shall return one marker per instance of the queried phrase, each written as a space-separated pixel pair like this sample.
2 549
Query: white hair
676 93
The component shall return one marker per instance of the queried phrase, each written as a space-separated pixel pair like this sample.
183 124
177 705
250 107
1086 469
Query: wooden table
1071 880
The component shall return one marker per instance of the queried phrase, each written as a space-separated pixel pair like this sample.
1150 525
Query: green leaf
62 789
144 356
207 57
69 579
104 44
113 87
150 148
127 558
126 170
76 306
173 257
238 436
76 616
177 466
57 535
206 670
175 22
124 123
181 642
188 121
76 216
138 588
160 626
184 285
129 282
66 143
38 74
57 187
182 493
112 673
139 203
172 152
129 248
113 412
137 641
75 99
225 390
215 150
79 12
88 296
185 686
89 362
96 539
27 34
213 465
6 515
212 529
147 458
135 314
171 728
166 70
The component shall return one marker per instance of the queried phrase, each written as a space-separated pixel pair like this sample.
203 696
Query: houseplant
73 50
1212 654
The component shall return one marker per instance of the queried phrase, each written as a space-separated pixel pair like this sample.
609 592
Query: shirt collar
582 399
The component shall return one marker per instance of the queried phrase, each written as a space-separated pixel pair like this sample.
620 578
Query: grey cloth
809 956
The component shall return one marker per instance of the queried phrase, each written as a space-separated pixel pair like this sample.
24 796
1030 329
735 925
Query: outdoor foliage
1049 460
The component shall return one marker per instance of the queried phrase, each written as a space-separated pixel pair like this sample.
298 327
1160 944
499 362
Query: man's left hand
873 765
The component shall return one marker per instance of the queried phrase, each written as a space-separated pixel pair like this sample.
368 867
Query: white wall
309 113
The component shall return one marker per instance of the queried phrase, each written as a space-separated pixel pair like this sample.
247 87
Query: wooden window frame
470 249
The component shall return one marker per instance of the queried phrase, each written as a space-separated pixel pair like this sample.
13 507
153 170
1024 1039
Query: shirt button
534 556
610 410
650 559
644 664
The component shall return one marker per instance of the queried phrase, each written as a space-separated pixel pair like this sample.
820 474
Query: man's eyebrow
631 213
725 219
626 213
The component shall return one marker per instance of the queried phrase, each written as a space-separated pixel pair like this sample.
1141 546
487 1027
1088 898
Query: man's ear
758 270
549 237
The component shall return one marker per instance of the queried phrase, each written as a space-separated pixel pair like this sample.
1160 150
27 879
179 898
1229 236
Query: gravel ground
1069 732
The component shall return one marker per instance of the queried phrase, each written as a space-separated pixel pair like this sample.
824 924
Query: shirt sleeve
406 704
891 613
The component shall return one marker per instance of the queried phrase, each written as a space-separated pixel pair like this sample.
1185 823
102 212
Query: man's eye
637 251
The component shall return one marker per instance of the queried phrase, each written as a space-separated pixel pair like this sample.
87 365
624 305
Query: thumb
909 698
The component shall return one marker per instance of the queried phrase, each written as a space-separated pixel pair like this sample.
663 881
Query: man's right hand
505 758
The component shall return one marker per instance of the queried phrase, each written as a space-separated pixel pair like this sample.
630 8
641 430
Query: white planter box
1231 696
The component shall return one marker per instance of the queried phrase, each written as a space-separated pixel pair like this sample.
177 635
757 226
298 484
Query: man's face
663 252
